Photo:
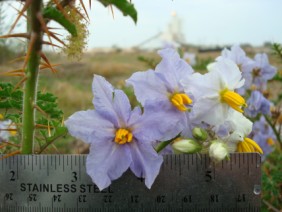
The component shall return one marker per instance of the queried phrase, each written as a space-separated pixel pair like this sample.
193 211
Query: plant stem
274 129
30 88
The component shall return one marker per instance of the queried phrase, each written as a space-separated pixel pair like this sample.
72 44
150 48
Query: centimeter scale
58 183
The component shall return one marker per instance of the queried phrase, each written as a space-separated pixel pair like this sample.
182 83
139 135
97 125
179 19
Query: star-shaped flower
162 87
215 92
262 71
119 137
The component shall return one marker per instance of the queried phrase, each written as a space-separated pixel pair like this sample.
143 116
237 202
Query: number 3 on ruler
74 175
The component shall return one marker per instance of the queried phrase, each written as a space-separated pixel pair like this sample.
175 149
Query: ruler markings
79 168
222 164
205 161
55 162
32 162
230 163
51 160
58 181
63 164
179 165
239 159
47 168
196 156
248 164
24 162
71 161
188 161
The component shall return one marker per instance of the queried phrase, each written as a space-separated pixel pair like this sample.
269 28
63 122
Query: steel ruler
59 183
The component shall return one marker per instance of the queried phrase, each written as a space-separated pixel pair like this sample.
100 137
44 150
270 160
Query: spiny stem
32 69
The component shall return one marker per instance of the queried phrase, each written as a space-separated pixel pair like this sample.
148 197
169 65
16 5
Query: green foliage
202 64
131 96
10 98
150 62
49 119
124 6
272 181
277 48
52 13
48 103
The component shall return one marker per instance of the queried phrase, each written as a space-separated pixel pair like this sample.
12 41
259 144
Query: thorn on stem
30 47
25 7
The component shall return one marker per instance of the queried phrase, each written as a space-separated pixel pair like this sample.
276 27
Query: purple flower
163 87
263 134
245 64
262 71
257 103
119 137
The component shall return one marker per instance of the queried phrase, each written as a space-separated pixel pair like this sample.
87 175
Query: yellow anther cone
123 136
233 99
249 145
180 100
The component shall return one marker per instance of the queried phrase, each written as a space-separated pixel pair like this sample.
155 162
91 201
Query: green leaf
10 98
52 13
48 103
124 6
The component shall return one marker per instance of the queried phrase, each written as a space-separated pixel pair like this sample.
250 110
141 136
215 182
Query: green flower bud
200 134
186 146
218 150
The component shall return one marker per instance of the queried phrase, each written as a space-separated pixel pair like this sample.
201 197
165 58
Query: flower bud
200 134
218 150
186 146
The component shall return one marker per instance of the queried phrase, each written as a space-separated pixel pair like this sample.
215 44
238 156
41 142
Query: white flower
245 64
7 129
214 92
218 150
241 127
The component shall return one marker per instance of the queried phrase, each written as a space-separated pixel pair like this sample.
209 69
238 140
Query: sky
204 22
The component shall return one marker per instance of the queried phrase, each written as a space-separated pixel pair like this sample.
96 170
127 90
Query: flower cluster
182 112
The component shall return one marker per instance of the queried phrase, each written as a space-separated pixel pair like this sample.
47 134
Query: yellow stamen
233 99
12 129
270 141
1 117
123 136
180 100
248 145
